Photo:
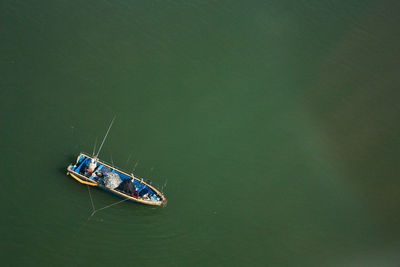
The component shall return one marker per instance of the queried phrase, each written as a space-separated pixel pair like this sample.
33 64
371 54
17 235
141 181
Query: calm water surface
274 126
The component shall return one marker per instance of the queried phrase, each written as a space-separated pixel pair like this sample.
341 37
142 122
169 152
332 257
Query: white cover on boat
111 180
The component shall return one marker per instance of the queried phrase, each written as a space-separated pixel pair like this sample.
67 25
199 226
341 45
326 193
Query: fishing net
111 180
127 186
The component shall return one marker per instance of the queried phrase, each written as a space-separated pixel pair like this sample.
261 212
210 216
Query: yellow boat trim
83 181
154 203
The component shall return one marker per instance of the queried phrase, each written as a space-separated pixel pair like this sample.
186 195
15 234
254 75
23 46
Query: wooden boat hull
74 171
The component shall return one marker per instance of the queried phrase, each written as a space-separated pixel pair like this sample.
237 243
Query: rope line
105 207
91 199
108 206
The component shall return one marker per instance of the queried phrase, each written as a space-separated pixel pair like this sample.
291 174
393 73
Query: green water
273 124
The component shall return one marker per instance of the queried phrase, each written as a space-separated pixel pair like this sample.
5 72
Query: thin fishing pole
101 146
94 147
134 167
127 161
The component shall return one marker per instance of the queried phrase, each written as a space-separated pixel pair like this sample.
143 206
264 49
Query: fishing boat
91 171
